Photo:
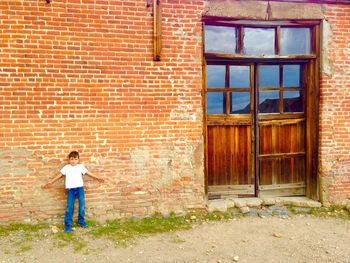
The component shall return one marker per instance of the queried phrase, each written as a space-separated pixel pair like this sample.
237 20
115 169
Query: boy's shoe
67 229
84 224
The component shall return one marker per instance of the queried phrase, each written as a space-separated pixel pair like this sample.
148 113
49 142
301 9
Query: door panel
282 138
230 158
278 171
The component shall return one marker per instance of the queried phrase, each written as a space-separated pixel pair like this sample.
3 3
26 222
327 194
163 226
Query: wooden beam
157 30
258 58
335 2
256 132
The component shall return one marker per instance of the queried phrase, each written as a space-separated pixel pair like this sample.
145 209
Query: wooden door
255 129
230 111
280 128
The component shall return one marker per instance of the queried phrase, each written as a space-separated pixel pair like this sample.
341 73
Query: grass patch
331 211
21 235
177 240
24 228
23 248
217 216
122 231
70 239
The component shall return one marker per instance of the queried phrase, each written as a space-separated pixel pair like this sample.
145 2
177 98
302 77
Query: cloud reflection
220 39
259 41
295 41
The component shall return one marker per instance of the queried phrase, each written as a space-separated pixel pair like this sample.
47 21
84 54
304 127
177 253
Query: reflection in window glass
259 41
239 76
240 103
291 76
215 103
269 76
220 39
269 102
292 101
216 76
295 41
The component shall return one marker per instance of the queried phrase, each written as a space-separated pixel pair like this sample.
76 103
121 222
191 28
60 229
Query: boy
75 189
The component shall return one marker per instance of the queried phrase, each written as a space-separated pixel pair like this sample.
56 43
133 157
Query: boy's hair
73 154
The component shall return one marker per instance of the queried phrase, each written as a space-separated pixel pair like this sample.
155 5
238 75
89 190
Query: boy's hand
45 186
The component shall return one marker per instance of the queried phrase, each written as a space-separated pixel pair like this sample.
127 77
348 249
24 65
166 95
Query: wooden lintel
157 30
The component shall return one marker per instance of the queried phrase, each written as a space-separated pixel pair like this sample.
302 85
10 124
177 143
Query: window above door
259 40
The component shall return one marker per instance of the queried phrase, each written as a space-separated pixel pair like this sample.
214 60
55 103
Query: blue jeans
74 193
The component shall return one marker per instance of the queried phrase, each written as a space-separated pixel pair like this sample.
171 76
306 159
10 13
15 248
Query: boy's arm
49 183
95 177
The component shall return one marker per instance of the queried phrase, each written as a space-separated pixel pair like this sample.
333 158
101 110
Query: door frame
311 74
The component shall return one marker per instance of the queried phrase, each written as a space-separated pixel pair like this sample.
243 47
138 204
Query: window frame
239 25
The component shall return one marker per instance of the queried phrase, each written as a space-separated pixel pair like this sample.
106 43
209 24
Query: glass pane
239 76
291 76
269 76
220 39
216 76
293 101
240 103
215 103
295 41
269 101
259 41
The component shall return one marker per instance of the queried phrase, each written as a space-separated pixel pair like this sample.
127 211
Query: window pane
291 76
216 76
239 76
269 76
269 101
220 39
215 103
259 41
240 103
295 41
293 101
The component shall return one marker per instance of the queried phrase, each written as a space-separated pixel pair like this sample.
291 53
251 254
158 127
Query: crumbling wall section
79 75
335 106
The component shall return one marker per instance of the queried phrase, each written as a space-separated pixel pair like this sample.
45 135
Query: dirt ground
300 238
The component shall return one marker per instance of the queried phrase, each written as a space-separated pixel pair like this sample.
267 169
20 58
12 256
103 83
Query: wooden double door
256 129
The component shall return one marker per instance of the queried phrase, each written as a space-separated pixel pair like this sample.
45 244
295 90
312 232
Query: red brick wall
79 75
335 106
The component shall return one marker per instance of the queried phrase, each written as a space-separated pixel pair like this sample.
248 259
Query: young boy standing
74 183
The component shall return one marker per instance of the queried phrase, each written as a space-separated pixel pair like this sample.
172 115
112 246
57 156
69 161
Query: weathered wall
335 106
79 75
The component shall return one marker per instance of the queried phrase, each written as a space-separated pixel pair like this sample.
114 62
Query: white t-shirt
74 175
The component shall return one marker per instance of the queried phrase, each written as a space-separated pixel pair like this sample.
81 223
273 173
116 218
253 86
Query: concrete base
224 204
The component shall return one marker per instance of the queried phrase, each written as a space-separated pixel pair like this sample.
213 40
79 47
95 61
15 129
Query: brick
75 79
80 76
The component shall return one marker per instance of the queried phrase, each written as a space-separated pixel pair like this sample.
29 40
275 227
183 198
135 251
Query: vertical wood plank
256 129
157 30
277 40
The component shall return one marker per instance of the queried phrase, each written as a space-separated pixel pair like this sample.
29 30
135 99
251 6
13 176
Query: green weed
24 228
122 231
23 248
70 239
331 211
24 235
177 240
